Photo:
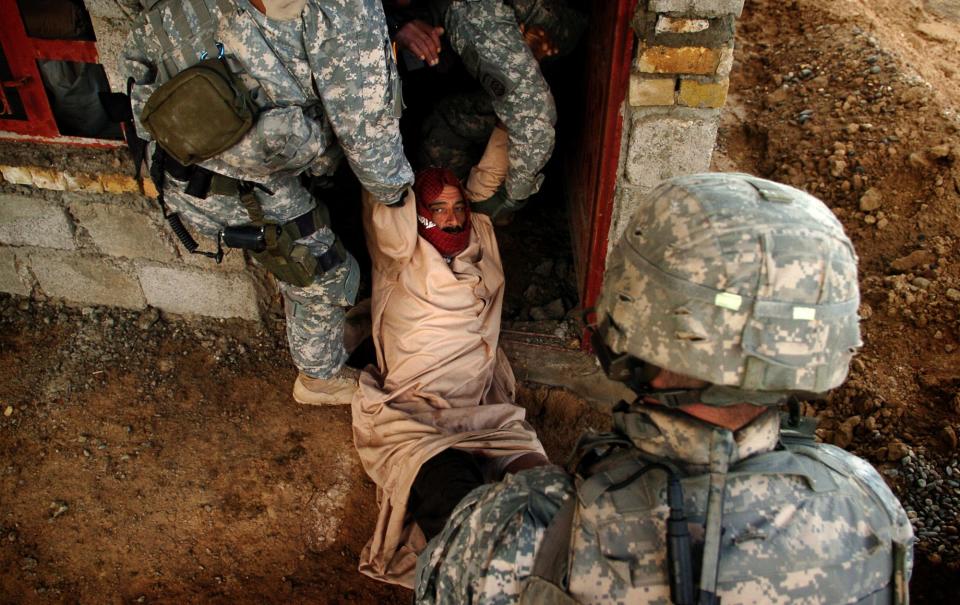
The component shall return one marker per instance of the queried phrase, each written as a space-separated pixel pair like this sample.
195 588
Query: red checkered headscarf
428 186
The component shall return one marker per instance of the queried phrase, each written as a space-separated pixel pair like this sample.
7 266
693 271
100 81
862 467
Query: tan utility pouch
198 113
289 262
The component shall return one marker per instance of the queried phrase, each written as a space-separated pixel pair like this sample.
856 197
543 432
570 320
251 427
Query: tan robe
442 380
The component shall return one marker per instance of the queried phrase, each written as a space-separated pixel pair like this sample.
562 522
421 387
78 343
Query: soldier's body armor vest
805 521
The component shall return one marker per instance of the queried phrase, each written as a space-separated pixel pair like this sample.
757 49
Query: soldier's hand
499 207
421 39
539 41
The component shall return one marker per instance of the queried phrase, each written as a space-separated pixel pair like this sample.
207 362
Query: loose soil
147 459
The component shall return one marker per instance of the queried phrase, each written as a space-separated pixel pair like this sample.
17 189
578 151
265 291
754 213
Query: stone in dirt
148 318
555 309
871 200
949 437
953 294
940 32
912 260
897 451
844 434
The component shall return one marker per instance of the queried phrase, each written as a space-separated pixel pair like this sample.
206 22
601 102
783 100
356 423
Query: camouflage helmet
742 282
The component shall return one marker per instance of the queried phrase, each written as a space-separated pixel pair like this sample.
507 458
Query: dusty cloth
442 380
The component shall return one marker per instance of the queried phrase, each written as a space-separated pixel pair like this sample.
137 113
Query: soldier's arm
357 80
486 36
138 67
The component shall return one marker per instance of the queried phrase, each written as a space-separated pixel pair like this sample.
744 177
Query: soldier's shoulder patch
494 81
491 77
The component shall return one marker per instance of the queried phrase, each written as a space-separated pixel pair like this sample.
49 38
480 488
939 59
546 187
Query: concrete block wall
678 84
73 230
94 239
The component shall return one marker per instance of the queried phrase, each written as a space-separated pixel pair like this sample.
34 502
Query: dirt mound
849 101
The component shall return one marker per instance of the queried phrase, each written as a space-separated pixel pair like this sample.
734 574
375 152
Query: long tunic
441 379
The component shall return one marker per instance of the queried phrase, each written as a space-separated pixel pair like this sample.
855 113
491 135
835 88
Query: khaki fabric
442 380
485 178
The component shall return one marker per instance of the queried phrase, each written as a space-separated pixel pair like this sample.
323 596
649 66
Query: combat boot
336 390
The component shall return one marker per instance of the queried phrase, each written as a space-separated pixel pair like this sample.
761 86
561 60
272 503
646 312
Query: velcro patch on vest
491 77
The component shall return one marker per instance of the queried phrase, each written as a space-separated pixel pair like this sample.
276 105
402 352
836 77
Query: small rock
57 508
28 563
778 96
23 306
545 268
921 282
555 309
953 294
871 200
897 451
939 152
949 437
918 160
538 314
148 318
8 411
844 434
914 259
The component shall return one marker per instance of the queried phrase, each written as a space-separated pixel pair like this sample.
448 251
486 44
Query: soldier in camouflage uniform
499 43
323 79
727 296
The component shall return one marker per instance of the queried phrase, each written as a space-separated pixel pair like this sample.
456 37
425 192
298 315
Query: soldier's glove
499 205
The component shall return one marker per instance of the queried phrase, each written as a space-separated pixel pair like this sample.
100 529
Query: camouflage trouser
456 133
489 544
315 313
486 36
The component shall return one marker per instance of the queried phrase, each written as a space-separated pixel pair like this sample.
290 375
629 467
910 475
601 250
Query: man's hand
539 41
421 39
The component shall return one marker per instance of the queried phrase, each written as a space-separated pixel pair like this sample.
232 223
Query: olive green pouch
198 113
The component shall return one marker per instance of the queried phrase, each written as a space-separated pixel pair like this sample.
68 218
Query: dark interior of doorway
541 301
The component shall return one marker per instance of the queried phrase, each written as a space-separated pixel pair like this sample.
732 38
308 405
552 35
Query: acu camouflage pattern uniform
326 86
486 36
801 522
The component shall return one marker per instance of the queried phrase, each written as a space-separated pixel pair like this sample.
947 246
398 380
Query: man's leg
440 485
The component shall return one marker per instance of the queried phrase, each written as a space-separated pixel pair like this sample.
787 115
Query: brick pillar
678 83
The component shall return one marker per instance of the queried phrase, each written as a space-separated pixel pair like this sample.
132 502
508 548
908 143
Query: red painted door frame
593 172
22 53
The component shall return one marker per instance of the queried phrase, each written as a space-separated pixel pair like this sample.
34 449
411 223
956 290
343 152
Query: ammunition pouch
275 247
200 112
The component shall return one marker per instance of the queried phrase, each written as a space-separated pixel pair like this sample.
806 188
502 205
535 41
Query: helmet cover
745 283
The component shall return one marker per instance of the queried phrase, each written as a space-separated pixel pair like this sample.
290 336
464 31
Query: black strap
158 173
333 257
550 562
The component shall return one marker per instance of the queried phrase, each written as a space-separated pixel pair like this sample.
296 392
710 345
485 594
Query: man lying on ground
436 417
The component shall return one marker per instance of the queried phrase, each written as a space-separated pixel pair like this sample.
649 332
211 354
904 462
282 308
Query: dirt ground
146 459
856 102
